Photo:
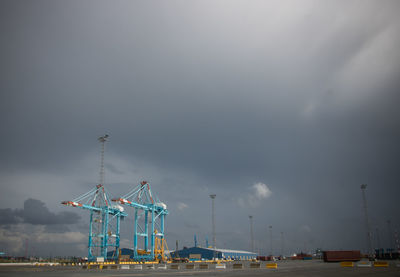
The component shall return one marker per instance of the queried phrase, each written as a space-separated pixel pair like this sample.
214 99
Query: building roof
226 250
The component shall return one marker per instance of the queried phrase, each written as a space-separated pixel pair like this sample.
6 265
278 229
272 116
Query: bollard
346 264
237 266
271 265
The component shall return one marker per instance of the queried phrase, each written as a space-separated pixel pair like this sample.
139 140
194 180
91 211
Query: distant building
126 254
199 253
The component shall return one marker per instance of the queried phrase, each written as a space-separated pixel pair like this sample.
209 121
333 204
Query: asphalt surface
285 268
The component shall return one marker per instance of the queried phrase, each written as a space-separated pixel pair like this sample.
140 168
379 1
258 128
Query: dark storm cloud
35 212
9 216
205 97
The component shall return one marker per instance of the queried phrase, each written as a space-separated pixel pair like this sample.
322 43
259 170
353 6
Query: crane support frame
104 224
149 221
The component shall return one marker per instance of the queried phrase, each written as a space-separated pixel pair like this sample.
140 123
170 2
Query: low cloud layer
35 230
35 212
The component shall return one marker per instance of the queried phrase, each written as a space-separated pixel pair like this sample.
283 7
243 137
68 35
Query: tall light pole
369 238
270 240
378 240
212 196
251 233
390 236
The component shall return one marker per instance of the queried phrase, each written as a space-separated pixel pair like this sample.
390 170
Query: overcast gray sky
281 108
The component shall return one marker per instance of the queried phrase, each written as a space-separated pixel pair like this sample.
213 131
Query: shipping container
341 256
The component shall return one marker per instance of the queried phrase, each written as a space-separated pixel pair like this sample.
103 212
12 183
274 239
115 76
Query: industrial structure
149 226
105 217
146 204
104 226
200 253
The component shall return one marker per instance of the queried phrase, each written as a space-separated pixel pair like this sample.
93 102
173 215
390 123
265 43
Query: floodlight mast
270 239
369 237
251 233
212 196
104 224
102 140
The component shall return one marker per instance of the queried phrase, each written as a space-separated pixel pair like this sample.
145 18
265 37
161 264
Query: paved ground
285 268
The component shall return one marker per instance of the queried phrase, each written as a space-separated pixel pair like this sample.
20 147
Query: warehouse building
199 253
126 254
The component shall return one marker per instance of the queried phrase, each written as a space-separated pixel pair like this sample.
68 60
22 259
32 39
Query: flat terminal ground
285 268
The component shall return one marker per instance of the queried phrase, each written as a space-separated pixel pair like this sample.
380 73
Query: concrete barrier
381 264
93 266
364 264
346 264
220 266
237 266
138 266
164 266
174 266
271 265
189 266
255 265
203 266
124 266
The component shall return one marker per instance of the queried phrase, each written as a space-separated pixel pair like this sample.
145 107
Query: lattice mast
97 233
104 225
149 222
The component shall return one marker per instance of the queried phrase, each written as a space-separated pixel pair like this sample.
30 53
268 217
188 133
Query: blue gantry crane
105 217
104 228
146 205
